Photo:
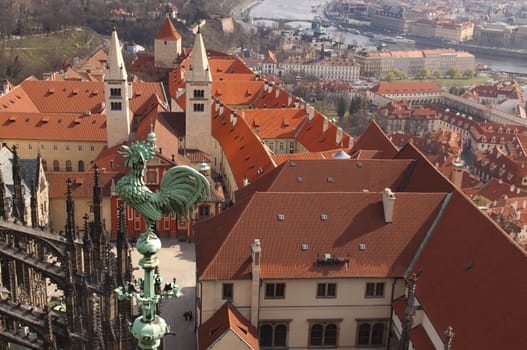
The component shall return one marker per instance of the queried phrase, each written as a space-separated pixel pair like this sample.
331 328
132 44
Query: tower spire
115 63
199 64
116 95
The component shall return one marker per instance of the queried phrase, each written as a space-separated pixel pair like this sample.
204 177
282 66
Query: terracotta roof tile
44 126
362 222
373 138
168 31
482 265
245 152
236 92
82 183
275 123
227 318
332 176
420 339
319 134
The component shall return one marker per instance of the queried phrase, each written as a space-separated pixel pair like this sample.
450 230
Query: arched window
372 333
266 336
273 335
323 335
280 335
377 334
81 165
56 166
68 166
316 335
330 335
364 334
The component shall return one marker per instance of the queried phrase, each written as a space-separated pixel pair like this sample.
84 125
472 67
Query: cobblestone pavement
177 259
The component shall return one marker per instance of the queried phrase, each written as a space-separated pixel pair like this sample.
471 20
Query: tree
390 76
423 73
452 72
468 73
437 74
342 102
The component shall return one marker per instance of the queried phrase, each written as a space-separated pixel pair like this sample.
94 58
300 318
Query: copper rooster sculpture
181 188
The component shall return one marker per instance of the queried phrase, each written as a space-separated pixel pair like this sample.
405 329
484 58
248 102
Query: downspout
391 314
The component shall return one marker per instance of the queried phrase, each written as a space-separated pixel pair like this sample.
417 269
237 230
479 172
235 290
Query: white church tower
116 95
167 46
198 80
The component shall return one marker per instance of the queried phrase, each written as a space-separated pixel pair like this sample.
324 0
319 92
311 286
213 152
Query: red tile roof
375 139
280 123
44 126
227 318
420 339
245 152
332 176
315 139
168 31
82 183
70 96
352 219
478 276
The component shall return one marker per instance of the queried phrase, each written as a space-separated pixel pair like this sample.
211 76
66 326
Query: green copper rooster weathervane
181 188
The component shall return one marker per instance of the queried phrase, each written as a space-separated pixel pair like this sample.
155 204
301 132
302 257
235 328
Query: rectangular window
199 93
137 225
29 146
375 290
326 290
79 147
291 146
42 147
274 290
115 92
227 292
199 107
55 147
115 106
92 148
281 145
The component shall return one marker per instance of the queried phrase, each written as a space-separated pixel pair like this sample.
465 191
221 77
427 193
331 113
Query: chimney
277 91
339 136
325 125
256 251
388 201
457 173
289 100
310 112
234 118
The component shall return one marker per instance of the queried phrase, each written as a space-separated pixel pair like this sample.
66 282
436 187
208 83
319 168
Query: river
303 9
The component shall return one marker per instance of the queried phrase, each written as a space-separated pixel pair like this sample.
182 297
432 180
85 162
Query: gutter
428 235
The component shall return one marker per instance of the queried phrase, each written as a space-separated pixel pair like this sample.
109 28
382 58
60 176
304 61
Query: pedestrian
189 315
185 315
